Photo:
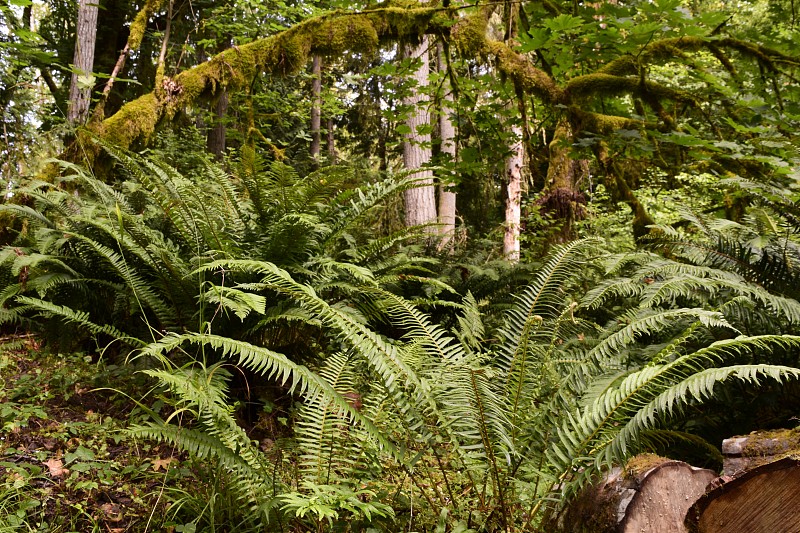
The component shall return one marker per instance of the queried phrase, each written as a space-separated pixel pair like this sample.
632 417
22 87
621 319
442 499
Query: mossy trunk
621 191
563 200
234 69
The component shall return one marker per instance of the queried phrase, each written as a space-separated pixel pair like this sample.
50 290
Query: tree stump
650 495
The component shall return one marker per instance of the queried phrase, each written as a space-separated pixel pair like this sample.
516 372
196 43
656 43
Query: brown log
743 453
763 500
760 492
650 495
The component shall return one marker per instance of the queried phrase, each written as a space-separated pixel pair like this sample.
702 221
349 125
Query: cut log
650 495
765 499
743 453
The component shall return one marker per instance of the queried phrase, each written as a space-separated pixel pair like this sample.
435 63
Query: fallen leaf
56 467
112 511
163 463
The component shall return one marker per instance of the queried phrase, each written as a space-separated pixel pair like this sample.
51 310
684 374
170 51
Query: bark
650 495
99 110
744 453
83 61
420 202
316 111
447 134
765 499
217 135
514 162
332 157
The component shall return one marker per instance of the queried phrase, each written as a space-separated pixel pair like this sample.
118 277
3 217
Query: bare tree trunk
420 202
447 133
80 90
316 105
162 56
332 159
217 135
514 164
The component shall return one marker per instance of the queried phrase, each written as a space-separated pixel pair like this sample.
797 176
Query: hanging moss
334 36
626 65
531 79
469 38
585 121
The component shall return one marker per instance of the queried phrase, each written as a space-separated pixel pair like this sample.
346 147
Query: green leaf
564 24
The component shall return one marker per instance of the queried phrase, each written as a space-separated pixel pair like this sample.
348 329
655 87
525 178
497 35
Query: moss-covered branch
364 32
282 54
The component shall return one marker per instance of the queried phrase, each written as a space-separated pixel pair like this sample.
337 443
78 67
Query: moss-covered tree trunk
621 191
563 200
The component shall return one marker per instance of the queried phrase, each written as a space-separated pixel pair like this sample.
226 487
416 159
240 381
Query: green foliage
121 261
490 435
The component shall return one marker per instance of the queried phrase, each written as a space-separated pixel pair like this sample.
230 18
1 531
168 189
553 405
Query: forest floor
66 463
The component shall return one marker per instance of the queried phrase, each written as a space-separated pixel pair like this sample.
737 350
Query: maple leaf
163 463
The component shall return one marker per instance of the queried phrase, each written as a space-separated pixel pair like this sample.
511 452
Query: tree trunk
447 134
316 105
80 88
217 135
420 202
332 159
514 164
650 495
563 200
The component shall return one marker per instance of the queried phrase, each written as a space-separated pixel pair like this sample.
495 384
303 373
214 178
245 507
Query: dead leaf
56 467
112 511
163 463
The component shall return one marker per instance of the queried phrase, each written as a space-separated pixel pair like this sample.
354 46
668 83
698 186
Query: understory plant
470 429
120 261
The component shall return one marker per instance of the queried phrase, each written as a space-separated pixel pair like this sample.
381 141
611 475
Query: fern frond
79 318
273 365
322 432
